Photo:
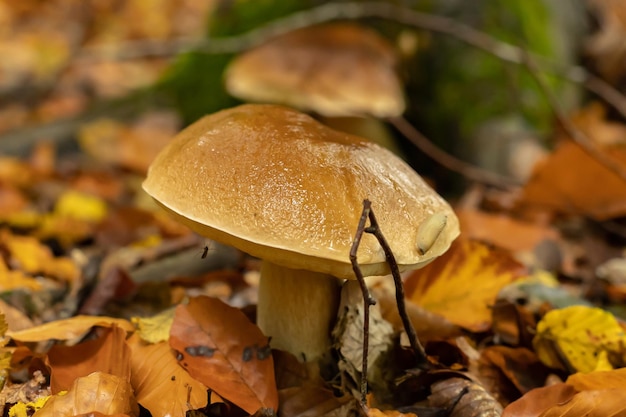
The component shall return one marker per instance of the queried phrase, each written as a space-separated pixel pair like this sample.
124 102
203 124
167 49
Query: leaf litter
75 235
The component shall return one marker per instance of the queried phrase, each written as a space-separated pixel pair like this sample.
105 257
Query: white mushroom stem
297 308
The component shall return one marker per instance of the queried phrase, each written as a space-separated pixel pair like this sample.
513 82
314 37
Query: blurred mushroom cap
338 69
281 186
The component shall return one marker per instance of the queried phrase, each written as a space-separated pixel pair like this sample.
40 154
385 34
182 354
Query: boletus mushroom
281 186
342 72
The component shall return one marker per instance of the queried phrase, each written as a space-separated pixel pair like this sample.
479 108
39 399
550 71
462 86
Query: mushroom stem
297 309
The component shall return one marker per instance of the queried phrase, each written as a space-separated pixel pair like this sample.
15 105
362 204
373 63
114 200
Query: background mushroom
343 72
283 187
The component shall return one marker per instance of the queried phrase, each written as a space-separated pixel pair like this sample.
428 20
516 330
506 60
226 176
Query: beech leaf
220 347
462 284
166 389
578 338
68 329
96 393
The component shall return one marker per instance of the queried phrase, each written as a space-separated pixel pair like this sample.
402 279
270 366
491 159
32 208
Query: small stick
449 161
374 229
367 297
422 358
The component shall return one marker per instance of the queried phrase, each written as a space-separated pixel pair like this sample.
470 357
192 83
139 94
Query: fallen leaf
537 401
463 398
155 329
580 338
221 348
503 231
520 365
348 331
607 402
80 206
96 393
68 329
108 353
31 256
583 185
462 284
598 380
166 389
314 401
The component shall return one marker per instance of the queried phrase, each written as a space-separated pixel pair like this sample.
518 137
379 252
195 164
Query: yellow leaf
26 409
462 284
68 329
11 280
578 338
33 257
81 206
156 328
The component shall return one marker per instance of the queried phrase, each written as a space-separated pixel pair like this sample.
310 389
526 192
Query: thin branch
359 10
449 161
367 297
575 134
422 360
374 229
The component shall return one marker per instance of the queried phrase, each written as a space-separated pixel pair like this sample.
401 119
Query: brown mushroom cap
338 69
279 185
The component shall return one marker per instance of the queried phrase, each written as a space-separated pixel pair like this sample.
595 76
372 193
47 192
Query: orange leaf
598 380
220 347
537 401
462 284
166 389
108 353
96 393
571 181
607 402
68 329
503 231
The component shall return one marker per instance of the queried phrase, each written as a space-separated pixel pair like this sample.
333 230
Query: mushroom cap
281 186
338 69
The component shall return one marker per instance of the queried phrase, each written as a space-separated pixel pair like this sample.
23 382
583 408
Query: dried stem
422 359
448 161
374 229
367 297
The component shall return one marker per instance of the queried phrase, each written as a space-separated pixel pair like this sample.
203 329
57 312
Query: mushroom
343 72
281 186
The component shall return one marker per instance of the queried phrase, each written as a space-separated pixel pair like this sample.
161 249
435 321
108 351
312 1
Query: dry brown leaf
503 231
598 380
462 284
473 401
536 401
68 329
520 365
314 401
375 412
98 392
571 181
602 403
220 347
108 353
166 389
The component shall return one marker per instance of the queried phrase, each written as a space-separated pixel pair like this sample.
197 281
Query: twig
358 10
367 297
374 229
575 134
422 358
449 161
